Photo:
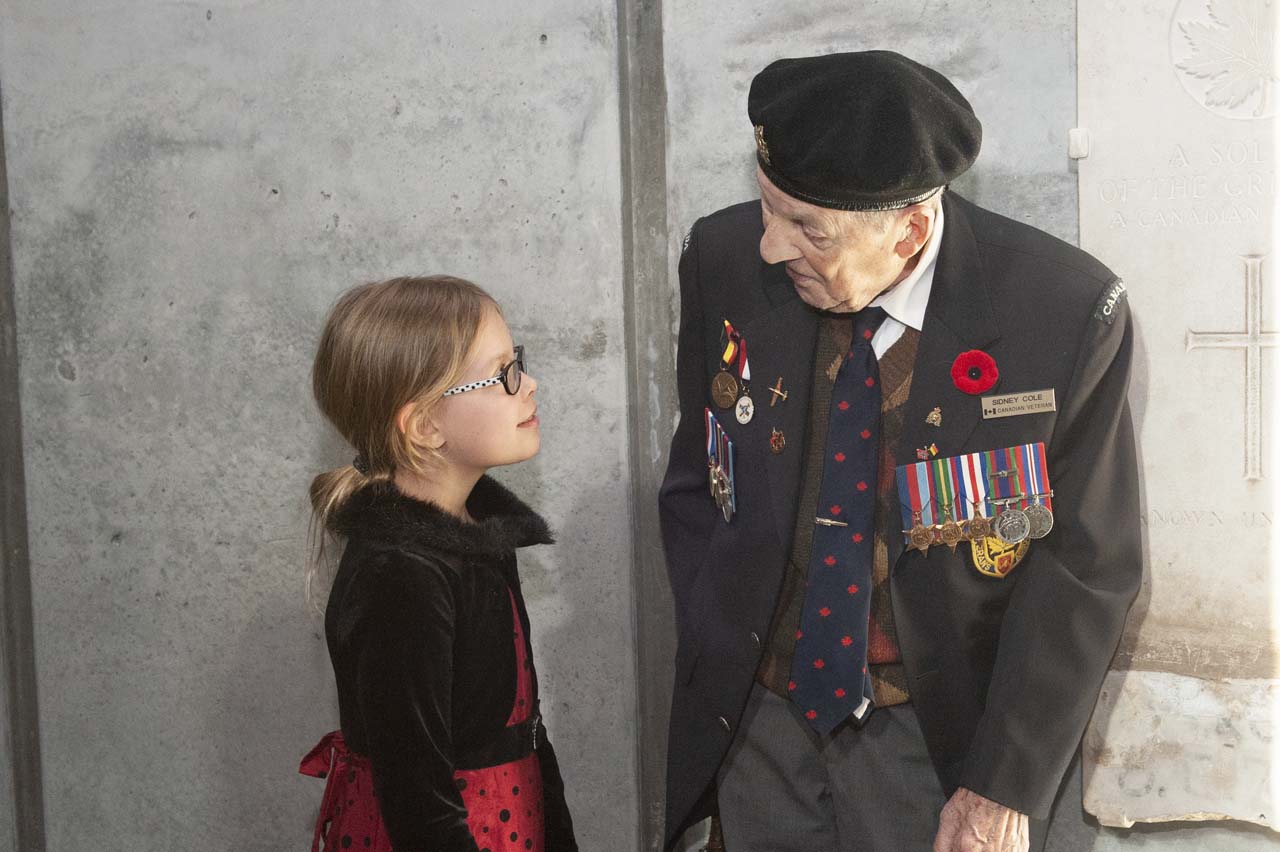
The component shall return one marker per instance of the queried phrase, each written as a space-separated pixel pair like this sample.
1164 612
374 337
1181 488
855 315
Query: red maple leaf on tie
868 334
862 486
840 693
844 405
866 433
799 634
871 382
811 715
847 641
835 510
839 457
830 560
817 664
791 686
824 612
853 590
857 538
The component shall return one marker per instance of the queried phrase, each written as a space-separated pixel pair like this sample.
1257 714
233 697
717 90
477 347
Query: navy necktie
829 670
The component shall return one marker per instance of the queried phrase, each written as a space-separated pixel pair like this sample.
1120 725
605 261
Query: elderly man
901 584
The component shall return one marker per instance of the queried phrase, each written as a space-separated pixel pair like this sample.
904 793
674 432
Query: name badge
1012 404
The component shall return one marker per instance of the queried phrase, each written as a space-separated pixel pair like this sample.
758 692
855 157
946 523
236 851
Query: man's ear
918 228
419 427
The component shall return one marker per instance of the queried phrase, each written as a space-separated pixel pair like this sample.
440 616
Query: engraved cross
1253 340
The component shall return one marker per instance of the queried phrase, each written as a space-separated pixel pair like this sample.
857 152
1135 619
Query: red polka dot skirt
504 803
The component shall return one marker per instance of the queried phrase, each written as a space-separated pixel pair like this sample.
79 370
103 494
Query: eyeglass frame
501 378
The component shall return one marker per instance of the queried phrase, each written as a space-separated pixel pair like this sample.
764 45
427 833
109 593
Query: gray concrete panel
192 185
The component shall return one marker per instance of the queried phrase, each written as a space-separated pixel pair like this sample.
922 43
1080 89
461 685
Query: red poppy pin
974 372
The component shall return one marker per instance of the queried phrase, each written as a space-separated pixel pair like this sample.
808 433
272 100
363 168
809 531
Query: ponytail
329 492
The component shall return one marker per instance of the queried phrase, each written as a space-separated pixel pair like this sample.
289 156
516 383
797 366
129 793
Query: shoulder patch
1110 301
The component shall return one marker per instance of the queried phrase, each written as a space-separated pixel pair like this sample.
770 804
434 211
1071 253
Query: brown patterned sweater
888 678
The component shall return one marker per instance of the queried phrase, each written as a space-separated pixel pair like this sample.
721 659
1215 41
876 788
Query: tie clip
827 522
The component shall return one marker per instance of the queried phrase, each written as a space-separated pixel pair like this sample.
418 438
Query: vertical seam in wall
650 372
17 647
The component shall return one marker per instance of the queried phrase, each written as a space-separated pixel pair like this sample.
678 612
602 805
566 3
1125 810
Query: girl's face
488 427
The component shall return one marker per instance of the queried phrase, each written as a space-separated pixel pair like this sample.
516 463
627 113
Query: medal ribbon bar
971 485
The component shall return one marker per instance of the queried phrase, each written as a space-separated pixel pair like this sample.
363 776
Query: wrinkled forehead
790 207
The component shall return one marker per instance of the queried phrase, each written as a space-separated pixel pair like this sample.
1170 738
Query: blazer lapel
780 343
959 317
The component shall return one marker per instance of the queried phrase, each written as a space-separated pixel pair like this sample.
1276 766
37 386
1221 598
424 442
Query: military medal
1040 516
728 390
720 466
935 417
963 488
1039 513
777 441
1012 526
975 528
950 532
724 494
919 536
724 389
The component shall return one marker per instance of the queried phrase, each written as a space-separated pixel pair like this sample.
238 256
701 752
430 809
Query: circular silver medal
1041 520
1012 526
746 409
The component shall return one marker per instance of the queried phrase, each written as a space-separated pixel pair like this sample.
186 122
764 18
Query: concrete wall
192 185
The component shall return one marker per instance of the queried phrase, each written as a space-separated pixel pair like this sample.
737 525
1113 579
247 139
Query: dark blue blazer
1002 673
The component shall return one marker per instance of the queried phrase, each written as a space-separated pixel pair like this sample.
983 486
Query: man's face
835 262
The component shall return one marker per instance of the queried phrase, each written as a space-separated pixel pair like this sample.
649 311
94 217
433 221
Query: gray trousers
783 788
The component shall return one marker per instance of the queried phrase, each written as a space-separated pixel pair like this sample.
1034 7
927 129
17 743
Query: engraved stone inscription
1194 185
1178 197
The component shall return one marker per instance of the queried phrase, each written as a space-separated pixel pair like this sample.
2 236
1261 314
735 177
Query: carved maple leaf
1236 51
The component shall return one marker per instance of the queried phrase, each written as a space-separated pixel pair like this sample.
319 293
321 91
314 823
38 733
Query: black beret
860 131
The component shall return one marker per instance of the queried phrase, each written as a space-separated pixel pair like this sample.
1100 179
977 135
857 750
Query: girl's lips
531 423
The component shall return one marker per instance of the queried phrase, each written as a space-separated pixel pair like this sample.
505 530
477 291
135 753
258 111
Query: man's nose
775 246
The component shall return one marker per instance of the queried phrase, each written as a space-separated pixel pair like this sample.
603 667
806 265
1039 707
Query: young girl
442 745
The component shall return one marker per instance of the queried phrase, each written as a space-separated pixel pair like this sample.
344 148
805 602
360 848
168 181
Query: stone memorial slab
1178 196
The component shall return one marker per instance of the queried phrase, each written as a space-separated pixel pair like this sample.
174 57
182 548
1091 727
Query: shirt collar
907 300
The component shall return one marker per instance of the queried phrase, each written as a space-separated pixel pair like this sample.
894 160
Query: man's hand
972 823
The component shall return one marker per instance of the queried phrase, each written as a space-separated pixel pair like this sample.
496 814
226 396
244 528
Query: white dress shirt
906 301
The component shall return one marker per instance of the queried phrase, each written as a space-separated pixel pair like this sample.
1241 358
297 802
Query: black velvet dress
419 626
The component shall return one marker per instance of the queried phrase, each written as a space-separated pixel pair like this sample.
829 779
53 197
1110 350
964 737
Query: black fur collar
380 511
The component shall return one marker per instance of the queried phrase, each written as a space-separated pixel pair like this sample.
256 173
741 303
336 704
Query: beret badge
762 147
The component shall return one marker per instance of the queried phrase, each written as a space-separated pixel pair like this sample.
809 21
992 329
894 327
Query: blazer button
724 723
755 640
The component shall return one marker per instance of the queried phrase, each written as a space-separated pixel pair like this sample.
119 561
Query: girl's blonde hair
385 345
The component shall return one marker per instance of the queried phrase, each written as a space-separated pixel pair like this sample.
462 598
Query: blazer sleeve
1067 610
686 512
404 676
